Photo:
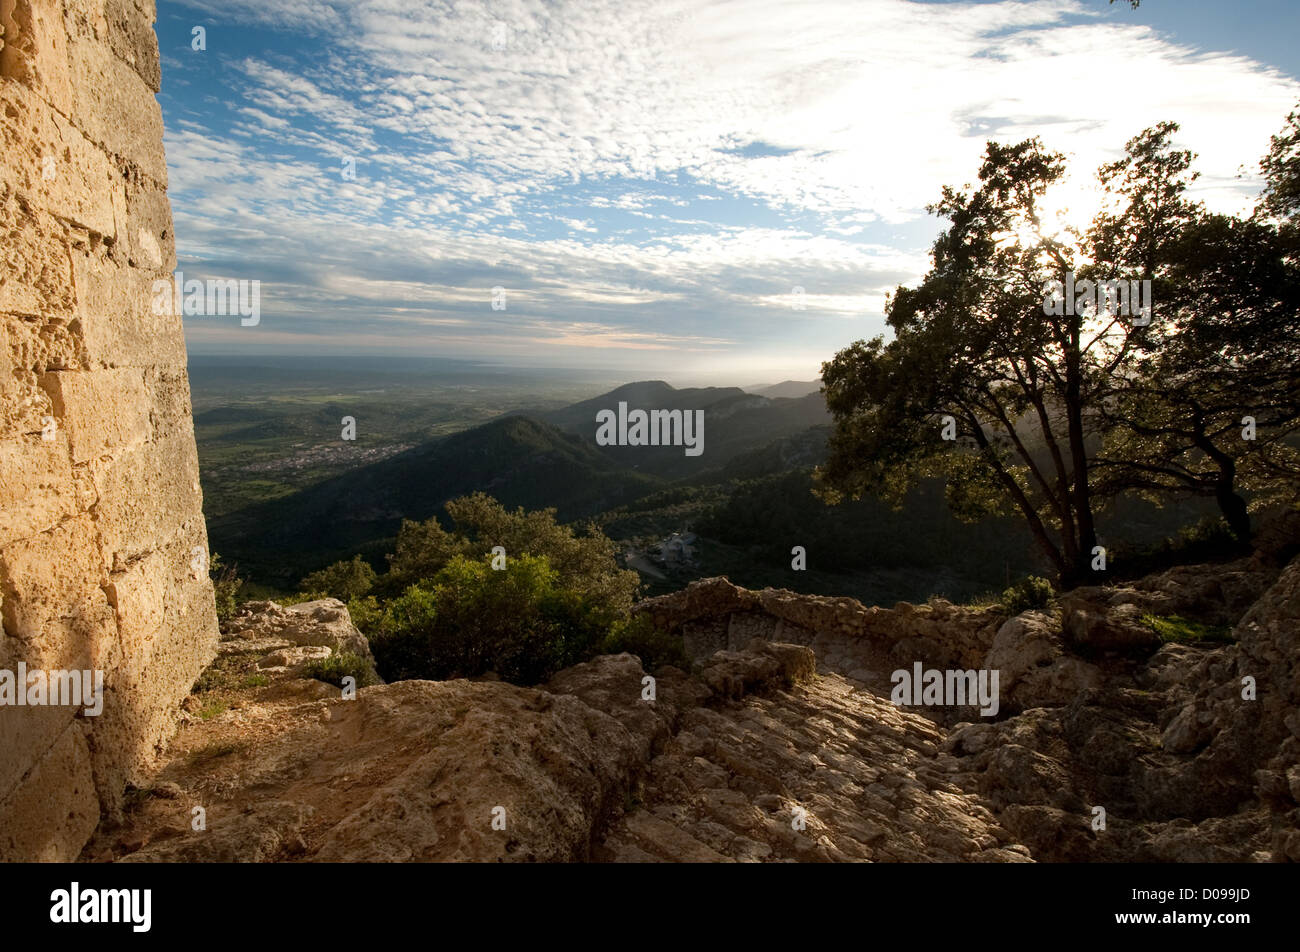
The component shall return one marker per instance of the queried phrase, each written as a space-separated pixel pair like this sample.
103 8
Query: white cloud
848 112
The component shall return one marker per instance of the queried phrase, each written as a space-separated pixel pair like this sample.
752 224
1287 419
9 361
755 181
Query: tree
226 584
976 347
1200 395
520 622
1281 168
342 580
1206 401
585 560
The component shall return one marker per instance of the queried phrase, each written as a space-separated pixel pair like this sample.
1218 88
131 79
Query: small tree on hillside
342 580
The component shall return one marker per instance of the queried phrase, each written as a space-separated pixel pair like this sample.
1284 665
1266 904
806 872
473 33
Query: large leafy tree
1207 401
1030 390
977 352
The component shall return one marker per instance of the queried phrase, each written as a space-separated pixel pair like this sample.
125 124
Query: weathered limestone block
115 314
56 167
35 51
53 600
36 484
145 494
104 410
124 25
1034 668
150 242
323 622
35 268
156 598
54 810
55 616
25 729
116 108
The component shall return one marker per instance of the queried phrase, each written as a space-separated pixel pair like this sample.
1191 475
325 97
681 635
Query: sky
695 191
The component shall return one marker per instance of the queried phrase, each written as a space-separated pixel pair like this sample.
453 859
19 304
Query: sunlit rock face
784 742
103 550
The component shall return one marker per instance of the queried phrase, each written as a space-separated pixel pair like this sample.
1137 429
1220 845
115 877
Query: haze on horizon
650 182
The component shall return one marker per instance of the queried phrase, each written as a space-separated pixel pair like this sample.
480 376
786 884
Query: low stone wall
714 614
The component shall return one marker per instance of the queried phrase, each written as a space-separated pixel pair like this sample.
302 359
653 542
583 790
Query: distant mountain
790 389
519 460
645 394
735 422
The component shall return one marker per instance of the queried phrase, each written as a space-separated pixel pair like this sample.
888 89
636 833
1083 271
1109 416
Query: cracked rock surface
781 744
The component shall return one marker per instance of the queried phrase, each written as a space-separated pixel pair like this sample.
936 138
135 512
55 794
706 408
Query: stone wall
714 615
102 541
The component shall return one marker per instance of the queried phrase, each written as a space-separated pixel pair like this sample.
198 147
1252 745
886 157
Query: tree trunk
1230 503
1080 571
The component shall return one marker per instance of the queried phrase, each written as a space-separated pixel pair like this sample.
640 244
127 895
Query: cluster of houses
673 553
677 550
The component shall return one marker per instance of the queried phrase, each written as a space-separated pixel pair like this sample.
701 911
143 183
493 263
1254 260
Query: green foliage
1207 540
1224 344
1225 348
342 580
585 562
520 622
340 665
1028 383
1185 632
365 613
772 514
1029 592
227 673
528 463
976 353
1281 168
225 586
213 709
654 646
422 550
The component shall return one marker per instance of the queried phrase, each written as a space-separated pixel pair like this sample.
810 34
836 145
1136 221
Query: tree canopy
1042 372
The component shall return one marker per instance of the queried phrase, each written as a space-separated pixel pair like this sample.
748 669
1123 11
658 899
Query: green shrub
584 563
366 613
654 646
1209 540
297 598
213 709
1030 592
1186 632
342 580
225 586
336 667
470 619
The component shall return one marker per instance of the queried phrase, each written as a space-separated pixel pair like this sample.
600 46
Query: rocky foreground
782 744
